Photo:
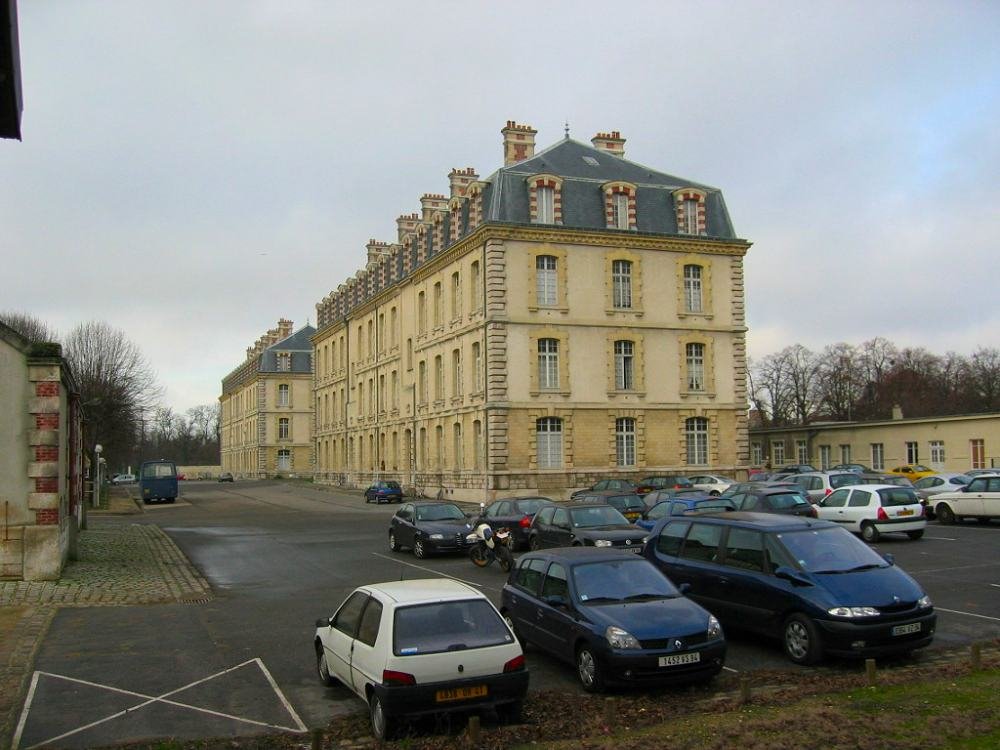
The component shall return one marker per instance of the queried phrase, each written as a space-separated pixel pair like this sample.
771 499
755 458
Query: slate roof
583 170
301 351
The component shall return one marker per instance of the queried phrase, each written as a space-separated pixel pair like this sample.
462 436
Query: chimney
431 202
284 328
611 142
377 251
518 142
897 412
405 224
460 179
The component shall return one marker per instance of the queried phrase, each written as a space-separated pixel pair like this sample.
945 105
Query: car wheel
393 544
802 640
512 713
418 548
321 667
383 726
367 498
533 544
914 535
588 669
714 493
944 514
869 533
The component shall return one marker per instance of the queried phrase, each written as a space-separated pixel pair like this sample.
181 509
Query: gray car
930 486
819 484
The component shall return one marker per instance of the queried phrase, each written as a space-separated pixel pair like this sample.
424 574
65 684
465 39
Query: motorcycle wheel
506 559
479 557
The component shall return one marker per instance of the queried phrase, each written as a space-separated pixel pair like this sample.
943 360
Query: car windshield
960 479
447 626
660 510
601 515
715 504
621 580
920 467
530 507
442 512
391 485
626 502
786 500
829 550
897 496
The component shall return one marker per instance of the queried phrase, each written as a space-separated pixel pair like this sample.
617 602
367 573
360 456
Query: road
281 555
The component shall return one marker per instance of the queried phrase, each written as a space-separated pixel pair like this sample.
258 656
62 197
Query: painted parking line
967 614
435 572
995 585
942 538
955 567
730 669
150 699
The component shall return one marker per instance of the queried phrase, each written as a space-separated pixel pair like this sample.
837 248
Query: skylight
591 161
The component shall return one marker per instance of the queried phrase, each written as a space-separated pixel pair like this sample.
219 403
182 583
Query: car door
744 583
555 626
540 524
698 564
862 505
523 598
402 525
560 533
338 642
970 502
831 507
991 499
368 656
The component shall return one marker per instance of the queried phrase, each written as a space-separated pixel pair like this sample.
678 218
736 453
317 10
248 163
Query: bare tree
802 368
983 379
770 390
876 360
29 326
840 381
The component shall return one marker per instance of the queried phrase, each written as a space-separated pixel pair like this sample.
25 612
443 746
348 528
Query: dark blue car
810 583
680 505
158 481
387 491
614 616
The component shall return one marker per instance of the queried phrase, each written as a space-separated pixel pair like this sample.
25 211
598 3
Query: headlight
602 543
645 539
925 602
714 628
854 612
618 638
437 536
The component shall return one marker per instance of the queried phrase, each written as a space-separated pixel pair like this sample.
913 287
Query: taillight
827 491
882 515
514 665
813 512
392 677
524 522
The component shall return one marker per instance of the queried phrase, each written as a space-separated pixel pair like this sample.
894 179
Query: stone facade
541 328
41 459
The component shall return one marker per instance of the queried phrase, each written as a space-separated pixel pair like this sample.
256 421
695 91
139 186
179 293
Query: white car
980 499
875 509
410 648
713 484
938 483
123 479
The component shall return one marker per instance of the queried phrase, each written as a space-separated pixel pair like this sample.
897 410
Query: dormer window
619 211
619 205
546 199
690 206
690 216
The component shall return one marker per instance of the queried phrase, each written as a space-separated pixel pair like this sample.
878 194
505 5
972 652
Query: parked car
809 583
978 472
744 487
158 481
895 479
663 482
657 496
875 509
713 484
679 506
913 472
790 500
930 486
628 504
384 491
428 528
516 514
613 615
856 468
395 645
979 499
583 525
621 485
819 484
794 469
123 479
226 477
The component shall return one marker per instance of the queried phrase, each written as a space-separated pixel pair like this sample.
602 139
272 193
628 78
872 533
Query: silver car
938 483
818 484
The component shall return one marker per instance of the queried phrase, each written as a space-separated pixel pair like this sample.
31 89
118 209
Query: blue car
158 481
680 505
384 492
612 615
810 583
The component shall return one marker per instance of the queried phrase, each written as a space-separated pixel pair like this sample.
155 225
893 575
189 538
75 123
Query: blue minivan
810 583
158 481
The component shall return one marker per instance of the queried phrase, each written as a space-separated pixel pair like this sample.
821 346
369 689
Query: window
756 454
477 441
702 542
625 441
283 428
690 208
456 372
381 393
801 451
409 354
477 287
477 368
619 211
555 582
978 451
621 282
438 378
548 432
422 380
692 289
346 619
545 280
284 460
777 453
696 437
624 365
912 453
394 392
545 200
393 328
381 333
438 306
457 445
845 454
836 499
937 452
368 629
548 363
824 458
283 395
745 549
421 312
671 537
284 361
439 447
695 355
456 296
878 456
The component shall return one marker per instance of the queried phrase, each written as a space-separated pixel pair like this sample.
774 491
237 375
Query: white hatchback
979 499
875 509
410 648
713 484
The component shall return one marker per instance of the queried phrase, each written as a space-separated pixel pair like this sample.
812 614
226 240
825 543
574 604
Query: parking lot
280 555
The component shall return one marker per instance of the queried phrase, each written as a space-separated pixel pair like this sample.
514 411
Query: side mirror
684 588
889 558
482 507
324 622
791 575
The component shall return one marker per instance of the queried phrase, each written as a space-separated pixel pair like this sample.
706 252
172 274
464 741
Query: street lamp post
96 498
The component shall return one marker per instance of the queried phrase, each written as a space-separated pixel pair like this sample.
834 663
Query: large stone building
572 315
266 407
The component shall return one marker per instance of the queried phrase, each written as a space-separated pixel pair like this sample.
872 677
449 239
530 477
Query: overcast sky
192 171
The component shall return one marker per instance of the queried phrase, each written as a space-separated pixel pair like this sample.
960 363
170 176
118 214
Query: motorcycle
489 545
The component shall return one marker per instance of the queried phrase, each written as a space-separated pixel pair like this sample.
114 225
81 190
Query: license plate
673 661
460 694
633 548
913 627
905 512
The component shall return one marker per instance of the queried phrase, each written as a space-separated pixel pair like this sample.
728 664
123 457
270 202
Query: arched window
548 431
696 437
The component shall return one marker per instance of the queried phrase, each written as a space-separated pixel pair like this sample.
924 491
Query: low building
266 407
41 459
953 443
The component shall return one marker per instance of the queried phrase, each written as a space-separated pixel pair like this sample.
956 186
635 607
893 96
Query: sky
192 171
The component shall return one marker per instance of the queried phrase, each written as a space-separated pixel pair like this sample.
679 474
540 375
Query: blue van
158 481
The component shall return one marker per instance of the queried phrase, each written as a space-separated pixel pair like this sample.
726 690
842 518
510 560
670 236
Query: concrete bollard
977 656
744 689
474 729
870 675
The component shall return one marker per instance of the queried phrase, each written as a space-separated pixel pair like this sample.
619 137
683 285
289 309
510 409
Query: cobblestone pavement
119 563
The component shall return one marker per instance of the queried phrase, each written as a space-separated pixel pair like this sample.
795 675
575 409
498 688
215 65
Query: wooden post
977 656
474 729
744 689
610 711
870 677
317 739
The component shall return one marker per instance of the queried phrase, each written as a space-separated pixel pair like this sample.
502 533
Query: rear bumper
416 700
914 524
858 640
